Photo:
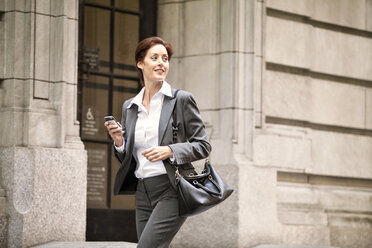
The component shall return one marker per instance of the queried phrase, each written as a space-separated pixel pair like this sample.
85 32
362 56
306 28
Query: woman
145 148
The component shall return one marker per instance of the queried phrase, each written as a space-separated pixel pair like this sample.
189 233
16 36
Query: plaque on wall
89 127
90 58
97 175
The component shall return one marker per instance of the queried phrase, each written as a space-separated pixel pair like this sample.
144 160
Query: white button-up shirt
147 132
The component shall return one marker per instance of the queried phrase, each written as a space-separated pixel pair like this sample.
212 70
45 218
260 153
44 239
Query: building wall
317 113
284 87
285 90
43 161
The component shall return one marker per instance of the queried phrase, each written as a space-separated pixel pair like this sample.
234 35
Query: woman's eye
154 58
165 58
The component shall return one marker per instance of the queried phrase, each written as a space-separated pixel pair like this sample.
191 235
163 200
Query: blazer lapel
166 112
131 126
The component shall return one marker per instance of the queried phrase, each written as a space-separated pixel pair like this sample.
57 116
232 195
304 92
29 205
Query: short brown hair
144 46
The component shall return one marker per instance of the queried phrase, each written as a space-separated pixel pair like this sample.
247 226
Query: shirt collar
165 90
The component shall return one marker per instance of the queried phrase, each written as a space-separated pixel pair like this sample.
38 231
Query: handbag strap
175 123
175 126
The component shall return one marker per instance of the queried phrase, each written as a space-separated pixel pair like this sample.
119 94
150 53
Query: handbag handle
199 176
195 182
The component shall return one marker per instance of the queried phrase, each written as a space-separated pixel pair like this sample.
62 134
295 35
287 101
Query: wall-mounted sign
89 58
89 124
97 176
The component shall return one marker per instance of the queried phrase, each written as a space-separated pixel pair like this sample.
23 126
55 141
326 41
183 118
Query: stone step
87 245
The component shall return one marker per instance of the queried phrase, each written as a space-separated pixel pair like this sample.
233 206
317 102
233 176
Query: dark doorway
109 31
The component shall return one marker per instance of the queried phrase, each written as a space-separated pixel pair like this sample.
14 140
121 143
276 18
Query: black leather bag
198 193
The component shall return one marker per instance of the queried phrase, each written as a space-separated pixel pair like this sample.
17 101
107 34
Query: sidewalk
133 245
87 245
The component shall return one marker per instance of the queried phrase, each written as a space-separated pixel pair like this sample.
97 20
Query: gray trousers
157 215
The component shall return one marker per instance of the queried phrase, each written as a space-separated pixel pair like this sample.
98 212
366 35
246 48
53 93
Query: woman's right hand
116 133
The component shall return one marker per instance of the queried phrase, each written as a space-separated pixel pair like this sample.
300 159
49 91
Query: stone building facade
285 90
43 161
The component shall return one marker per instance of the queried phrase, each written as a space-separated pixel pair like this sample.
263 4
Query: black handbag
200 192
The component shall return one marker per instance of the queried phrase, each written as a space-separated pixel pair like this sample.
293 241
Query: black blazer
192 140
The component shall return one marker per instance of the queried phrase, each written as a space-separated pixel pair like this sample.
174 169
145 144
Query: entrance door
109 31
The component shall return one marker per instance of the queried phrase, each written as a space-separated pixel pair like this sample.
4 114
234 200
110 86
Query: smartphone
112 120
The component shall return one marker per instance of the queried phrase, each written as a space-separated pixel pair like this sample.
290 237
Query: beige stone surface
368 108
227 25
3 217
342 202
40 197
42 47
199 73
3 230
43 6
242 70
10 134
169 25
257 207
63 53
58 52
2 46
2 6
42 124
368 11
339 154
258 26
350 200
19 5
309 235
296 196
45 186
70 51
41 89
199 27
18 28
351 237
283 147
343 57
339 211
68 104
303 217
288 42
258 88
301 7
341 12
338 104
300 97
287 95
14 91
301 45
71 8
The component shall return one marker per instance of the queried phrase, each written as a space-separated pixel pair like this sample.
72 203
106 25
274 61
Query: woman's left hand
158 153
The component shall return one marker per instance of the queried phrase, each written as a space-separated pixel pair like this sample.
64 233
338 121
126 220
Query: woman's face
155 65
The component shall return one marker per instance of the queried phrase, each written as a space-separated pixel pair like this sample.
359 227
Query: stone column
218 57
42 158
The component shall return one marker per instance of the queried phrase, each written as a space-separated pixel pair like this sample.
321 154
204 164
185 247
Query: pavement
133 245
293 246
87 245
